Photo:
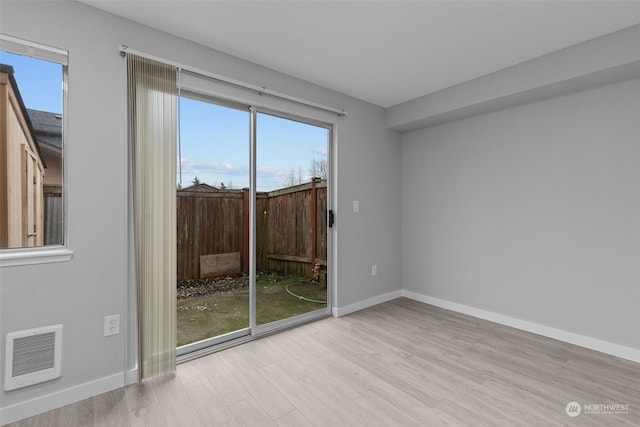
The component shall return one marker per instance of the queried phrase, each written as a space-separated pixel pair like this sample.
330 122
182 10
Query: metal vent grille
32 356
34 353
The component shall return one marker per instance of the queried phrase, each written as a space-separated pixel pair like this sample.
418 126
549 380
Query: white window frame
10 257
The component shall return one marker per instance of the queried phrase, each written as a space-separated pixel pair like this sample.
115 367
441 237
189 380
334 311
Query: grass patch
218 313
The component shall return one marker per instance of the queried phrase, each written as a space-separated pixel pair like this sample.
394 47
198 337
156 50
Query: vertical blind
152 133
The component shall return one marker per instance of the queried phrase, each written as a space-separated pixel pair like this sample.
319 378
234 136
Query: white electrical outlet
356 206
111 325
374 270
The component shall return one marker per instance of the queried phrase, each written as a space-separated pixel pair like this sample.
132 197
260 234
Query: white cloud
320 150
195 167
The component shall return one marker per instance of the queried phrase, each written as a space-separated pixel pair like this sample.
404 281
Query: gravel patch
190 288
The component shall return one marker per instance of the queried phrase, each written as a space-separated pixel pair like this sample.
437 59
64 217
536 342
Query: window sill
31 256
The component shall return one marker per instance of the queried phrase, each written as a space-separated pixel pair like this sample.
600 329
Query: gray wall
531 212
94 283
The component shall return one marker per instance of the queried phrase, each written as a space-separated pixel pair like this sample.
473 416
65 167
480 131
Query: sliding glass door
212 222
291 226
252 201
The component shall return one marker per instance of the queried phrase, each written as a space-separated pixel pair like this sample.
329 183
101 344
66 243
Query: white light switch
356 206
374 270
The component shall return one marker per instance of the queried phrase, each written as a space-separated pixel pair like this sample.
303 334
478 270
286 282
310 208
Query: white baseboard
617 350
38 405
131 376
369 302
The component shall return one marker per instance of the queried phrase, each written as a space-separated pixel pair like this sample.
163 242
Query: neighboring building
22 166
201 187
48 131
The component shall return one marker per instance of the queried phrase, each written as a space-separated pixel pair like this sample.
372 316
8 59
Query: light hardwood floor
401 363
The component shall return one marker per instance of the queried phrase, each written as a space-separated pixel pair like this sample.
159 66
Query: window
32 97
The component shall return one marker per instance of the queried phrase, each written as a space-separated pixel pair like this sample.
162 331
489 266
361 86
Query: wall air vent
32 356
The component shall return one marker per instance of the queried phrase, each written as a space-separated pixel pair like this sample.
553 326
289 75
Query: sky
213 139
40 82
214 146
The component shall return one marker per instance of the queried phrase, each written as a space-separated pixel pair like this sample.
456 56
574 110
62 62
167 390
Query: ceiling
383 52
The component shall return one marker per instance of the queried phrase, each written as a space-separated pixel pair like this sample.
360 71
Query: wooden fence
53 220
291 232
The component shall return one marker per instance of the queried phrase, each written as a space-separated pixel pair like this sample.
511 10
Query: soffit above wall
608 59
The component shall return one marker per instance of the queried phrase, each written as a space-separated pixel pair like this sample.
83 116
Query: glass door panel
291 225
212 223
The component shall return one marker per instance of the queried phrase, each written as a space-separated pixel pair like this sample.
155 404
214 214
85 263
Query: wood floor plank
399 363
304 400
333 397
293 419
188 372
229 388
409 405
258 353
382 412
76 414
175 402
271 400
209 404
371 355
144 407
250 414
111 410
268 348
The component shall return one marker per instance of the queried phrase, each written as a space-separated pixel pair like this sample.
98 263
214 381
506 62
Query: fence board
53 220
219 264
211 221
